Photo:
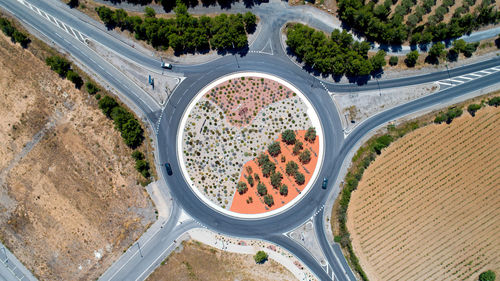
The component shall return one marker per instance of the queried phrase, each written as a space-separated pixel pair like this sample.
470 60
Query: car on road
166 65
325 182
169 168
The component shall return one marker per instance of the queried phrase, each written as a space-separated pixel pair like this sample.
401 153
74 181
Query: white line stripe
473 74
76 36
463 77
484 71
439 82
494 69
458 81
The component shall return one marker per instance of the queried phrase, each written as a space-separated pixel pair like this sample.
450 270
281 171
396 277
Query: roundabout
230 129
170 129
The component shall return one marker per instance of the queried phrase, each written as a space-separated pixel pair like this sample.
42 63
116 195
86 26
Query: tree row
184 33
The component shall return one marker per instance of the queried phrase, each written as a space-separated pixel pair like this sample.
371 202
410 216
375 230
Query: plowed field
428 207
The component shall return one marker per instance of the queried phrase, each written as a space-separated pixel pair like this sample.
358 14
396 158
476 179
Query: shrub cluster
141 165
14 34
184 33
125 122
448 116
62 67
338 54
373 20
260 257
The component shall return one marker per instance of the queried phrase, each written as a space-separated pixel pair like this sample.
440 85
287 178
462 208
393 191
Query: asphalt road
336 147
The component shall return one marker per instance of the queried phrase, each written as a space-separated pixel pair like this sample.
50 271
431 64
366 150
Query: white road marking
155 261
464 77
485 71
443 83
474 74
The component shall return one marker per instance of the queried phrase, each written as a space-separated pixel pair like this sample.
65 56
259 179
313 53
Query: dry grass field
197 261
428 207
70 201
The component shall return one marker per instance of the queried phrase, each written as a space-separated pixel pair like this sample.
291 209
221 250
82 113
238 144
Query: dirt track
428 208
69 198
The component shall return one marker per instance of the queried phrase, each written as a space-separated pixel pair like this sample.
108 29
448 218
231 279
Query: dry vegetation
70 201
428 207
196 261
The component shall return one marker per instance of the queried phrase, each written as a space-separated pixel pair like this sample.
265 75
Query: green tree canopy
268 200
260 257
411 58
276 179
284 190
242 187
274 149
261 189
288 136
291 168
487 276
305 156
300 178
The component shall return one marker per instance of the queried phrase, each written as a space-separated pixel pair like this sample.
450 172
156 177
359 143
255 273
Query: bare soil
428 207
197 261
70 202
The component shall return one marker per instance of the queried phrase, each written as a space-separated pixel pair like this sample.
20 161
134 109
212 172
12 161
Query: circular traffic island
250 145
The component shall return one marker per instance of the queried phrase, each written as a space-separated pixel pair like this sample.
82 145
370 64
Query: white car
166 65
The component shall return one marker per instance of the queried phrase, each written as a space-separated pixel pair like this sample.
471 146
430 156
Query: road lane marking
155 261
485 71
464 77
443 83
474 74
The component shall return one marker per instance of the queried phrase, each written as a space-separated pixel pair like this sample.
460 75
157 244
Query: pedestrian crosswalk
68 29
455 81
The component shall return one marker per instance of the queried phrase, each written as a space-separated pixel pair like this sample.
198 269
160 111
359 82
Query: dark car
169 169
325 182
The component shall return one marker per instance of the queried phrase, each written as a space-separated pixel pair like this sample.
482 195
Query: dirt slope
69 199
197 261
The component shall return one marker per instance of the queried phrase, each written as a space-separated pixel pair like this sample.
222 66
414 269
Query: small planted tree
106 104
137 155
472 108
297 148
305 156
91 88
249 170
268 200
299 178
260 257
256 177
284 190
291 168
250 180
288 136
283 158
494 101
274 149
310 135
411 58
263 159
268 168
261 189
276 179
242 187
393 60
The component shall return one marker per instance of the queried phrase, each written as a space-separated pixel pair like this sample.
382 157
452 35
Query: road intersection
141 259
